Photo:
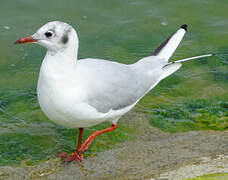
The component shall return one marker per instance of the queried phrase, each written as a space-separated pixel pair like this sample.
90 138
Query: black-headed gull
82 93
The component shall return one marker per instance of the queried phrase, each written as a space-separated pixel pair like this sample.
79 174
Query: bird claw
76 156
63 155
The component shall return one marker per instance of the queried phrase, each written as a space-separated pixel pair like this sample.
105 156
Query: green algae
217 176
197 114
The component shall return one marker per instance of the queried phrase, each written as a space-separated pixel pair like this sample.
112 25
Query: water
195 97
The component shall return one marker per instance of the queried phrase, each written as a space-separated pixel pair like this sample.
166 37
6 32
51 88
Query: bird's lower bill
25 40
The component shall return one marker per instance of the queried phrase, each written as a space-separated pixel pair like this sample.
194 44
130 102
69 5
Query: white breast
62 99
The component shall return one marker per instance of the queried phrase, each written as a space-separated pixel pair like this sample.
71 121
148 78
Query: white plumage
83 93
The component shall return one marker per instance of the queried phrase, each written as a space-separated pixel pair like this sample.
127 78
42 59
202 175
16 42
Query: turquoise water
194 98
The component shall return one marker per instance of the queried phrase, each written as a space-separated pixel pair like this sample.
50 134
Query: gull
82 93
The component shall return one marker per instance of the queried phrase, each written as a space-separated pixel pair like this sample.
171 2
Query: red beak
25 40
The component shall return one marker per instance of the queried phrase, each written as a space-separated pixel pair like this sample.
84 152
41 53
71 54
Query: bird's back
113 86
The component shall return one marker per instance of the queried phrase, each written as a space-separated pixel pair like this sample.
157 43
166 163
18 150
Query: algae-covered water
194 98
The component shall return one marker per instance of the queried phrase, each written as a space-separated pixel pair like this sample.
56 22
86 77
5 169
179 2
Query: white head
56 36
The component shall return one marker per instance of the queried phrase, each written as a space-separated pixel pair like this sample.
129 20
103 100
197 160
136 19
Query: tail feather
192 58
171 67
167 48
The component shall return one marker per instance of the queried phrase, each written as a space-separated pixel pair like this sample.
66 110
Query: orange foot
75 156
78 154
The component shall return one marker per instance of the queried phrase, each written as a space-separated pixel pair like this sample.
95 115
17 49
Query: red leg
80 137
78 154
90 139
64 155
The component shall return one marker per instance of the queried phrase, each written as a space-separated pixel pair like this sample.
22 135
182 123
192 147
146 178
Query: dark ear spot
65 39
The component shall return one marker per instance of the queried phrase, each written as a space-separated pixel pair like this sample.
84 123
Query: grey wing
114 86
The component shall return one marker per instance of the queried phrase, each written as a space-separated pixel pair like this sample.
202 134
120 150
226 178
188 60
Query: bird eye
49 34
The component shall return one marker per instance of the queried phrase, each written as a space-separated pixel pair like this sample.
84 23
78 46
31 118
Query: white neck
65 58
59 63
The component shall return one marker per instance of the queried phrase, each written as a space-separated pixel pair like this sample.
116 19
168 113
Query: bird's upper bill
25 40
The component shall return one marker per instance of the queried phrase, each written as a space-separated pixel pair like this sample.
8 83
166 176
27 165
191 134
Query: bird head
55 36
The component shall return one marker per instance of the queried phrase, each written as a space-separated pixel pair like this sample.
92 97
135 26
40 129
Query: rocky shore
154 154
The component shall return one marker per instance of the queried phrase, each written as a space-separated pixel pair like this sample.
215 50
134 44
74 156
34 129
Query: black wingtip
184 26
